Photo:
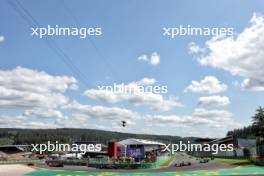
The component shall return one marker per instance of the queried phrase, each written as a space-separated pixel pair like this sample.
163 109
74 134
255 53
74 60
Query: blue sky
132 29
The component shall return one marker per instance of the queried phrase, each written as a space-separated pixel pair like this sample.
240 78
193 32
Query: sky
214 83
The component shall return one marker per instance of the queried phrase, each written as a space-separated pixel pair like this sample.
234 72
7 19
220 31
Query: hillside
67 135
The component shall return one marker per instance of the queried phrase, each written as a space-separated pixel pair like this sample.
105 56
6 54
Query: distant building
93 154
242 147
138 149
14 152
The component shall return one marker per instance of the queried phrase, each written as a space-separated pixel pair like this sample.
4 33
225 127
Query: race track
196 168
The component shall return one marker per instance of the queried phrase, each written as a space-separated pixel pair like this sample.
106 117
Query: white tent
133 141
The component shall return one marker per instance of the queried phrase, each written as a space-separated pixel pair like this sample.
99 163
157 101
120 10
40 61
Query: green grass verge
220 172
239 162
167 161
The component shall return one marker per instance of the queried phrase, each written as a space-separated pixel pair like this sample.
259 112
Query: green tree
258 122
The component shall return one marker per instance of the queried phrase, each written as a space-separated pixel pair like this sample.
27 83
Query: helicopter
123 123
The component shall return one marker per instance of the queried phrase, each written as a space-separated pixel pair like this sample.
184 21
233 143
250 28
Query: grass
167 161
251 170
239 162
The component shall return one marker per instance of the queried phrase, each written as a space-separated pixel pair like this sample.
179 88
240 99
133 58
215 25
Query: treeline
67 135
246 132
256 130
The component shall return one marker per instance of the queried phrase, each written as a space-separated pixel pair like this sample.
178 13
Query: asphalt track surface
179 157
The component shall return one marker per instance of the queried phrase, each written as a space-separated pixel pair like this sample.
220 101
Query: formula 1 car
204 160
182 164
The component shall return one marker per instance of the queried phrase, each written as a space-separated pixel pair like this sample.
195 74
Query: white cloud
2 38
214 100
253 84
23 122
146 81
26 88
10 122
209 84
43 113
37 125
153 59
42 96
212 114
143 58
194 48
200 116
241 55
76 120
137 97
81 116
102 112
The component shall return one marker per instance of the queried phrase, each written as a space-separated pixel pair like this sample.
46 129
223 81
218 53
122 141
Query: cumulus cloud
76 120
153 59
35 122
214 100
20 121
209 84
194 48
253 84
102 112
2 38
39 100
241 55
200 116
143 58
79 116
136 97
43 113
8 121
146 81
26 88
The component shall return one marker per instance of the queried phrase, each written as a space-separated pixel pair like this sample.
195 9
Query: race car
204 160
180 164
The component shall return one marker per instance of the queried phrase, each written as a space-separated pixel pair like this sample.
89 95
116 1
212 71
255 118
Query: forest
10 136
